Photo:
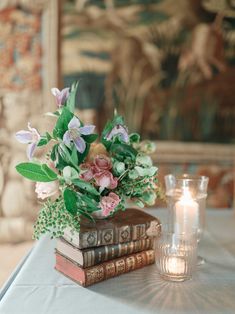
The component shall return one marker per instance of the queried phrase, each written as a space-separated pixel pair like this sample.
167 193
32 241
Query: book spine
101 254
117 267
95 274
114 235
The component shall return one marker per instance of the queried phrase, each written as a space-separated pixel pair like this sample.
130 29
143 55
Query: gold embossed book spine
93 256
104 271
127 226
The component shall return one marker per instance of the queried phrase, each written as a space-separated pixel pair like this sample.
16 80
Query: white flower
46 189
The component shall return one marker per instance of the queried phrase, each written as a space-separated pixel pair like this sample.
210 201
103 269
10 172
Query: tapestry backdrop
170 62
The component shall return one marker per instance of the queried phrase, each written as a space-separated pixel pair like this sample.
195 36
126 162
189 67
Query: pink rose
102 162
108 203
105 179
87 171
46 189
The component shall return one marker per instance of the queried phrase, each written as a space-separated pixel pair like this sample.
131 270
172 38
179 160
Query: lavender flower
120 130
31 137
61 96
74 134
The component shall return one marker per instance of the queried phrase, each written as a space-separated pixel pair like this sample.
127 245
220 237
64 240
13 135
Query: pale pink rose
102 162
108 203
88 171
87 175
105 179
46 189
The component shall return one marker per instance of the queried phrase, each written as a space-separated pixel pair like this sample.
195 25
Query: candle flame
186 196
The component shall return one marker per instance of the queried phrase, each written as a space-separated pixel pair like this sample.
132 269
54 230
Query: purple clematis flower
61 96
120 130
75 130
31 137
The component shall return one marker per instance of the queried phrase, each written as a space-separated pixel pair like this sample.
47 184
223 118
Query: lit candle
186 213
175 265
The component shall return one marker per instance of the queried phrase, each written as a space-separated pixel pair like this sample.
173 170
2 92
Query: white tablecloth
39 289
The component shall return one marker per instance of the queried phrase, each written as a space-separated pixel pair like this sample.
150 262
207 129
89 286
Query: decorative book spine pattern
109 236
101 254
106 270
118 267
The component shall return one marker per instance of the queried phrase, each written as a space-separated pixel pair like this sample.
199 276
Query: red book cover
94 274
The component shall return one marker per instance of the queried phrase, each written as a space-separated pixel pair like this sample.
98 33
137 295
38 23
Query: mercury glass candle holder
186 199
176 255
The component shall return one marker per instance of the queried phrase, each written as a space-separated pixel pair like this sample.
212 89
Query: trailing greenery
54 218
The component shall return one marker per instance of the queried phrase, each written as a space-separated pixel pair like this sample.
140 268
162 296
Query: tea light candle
186 213
175 265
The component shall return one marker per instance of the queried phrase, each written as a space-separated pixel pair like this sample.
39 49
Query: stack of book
107 248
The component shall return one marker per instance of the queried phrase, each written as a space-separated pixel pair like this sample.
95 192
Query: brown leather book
96 255
126 226
89 276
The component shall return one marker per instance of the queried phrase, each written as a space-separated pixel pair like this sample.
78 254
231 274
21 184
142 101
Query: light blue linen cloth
39 289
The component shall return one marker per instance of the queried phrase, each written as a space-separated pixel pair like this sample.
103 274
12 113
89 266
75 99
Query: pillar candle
186 213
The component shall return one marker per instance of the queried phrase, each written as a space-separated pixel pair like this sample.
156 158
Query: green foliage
36 172
54 218
66 156
87 203
85 187
70 201
71 101
108 127
44 139
90 138
123 151
134 138
62 123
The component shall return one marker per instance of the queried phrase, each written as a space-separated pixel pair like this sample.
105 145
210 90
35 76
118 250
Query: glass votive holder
176 255
186 200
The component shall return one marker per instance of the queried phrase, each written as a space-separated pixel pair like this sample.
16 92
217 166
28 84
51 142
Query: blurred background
167 66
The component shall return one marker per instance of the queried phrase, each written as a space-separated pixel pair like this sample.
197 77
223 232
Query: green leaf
69 173
146 171
90 138
85 186
48 136
50 173
70 201
74 155
91 204
82 156
139 203
71 101
85 214
134 138
149 197
34 172
121 151
43 141
54 152
66 156
62 123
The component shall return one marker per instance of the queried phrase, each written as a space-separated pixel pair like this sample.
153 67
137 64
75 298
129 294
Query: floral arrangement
81 176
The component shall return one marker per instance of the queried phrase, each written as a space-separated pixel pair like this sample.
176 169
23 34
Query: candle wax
186 214
176 265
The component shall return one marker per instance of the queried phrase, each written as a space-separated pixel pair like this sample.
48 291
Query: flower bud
118 167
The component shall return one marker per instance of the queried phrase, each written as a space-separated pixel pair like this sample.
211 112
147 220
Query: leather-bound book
89 276
96 255
124 226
